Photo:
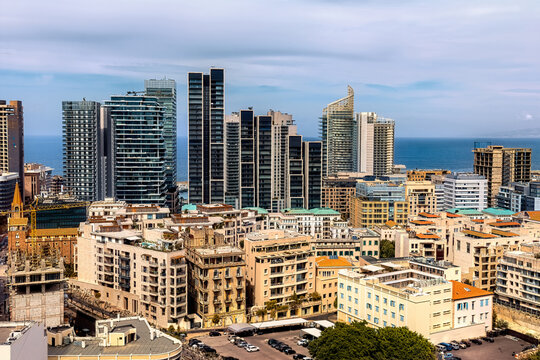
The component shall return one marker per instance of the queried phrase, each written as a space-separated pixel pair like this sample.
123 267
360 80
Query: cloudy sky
439 68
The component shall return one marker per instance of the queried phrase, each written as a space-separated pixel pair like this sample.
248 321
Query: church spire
17 204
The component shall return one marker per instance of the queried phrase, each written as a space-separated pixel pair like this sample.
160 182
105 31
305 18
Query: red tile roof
463 291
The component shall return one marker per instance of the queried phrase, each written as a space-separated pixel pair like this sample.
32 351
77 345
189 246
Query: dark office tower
295 173
206 167
312 158
264 161
247 159
137 134
165 91
232 160
12 139
81 121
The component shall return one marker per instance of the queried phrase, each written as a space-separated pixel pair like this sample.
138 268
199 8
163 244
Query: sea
415 153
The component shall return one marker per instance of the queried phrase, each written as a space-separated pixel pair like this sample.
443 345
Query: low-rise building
22 340
280 267
421 197
338 191
326 279
420 301
316 222
350 243
119 339
425 174
471 306
217 284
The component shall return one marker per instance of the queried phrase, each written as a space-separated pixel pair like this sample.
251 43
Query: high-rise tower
374 150
12 139
165 91
338 135
139 149
206 153
80 125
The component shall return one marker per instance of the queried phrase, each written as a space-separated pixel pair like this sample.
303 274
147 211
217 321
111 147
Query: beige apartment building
370 213
421 197
518 284
425 175
133 273
350 243
281 263
326 279
338 191
502 166
217 284
418 300
316 223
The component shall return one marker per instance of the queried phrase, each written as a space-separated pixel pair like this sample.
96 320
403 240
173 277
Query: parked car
251 348
289 351
440 348
207 349
272 341
303 342
528 347
476 341
448 356
455 345
455 358
467 343
229 358
447 346
214 333
192 342
488 339
298 357
462 345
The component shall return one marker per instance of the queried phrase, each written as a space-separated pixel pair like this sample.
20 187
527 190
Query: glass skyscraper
139 149
80 148
206 153
338 135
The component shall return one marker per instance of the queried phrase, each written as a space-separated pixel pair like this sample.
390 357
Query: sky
439 68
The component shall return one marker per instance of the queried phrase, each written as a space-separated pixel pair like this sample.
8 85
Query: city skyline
439 69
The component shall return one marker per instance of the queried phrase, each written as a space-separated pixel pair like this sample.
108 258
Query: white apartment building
465 191
471 306
418 300
316 223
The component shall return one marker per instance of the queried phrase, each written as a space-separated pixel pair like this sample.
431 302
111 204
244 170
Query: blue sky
439 68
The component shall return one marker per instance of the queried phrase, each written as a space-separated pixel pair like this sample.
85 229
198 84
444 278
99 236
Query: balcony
217 301
228 300
240 299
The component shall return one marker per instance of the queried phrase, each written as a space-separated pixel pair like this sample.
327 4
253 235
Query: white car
251 348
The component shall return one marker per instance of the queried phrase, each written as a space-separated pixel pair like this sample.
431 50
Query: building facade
465 191
12 138
502 166
82 171
206 152
139 149
338 135
421 197
8 183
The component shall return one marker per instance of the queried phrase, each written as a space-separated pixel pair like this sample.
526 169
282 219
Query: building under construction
36 288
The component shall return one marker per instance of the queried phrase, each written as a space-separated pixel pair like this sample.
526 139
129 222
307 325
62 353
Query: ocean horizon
454 154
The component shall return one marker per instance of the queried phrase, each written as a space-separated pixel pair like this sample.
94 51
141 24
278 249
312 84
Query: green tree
315 296
357 341
403 344
271 306
387 249
216 319
535 356
261 313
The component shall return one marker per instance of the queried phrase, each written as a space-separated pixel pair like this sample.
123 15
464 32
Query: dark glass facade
312 156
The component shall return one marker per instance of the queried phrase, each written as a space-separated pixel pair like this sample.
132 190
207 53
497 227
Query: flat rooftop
273 235
220 250
142 345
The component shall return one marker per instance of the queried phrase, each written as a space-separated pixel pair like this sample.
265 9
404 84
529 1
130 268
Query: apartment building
217 283
12 138
519 197
8 183
478 253
280 263
338 191
418 300
350 243
442 268
22 340
326 278
518 274
465 191
316 222
377 201
37 180
374 150
425 175
502 166
471 306
132 272
421 197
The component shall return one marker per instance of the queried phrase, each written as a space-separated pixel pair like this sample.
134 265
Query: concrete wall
45 308
467 332
518 320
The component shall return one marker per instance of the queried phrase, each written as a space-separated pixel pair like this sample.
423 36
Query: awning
324 323
240 328
372 268
313 332
279 323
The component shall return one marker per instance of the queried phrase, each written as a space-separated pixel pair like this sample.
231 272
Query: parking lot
225 348
502 349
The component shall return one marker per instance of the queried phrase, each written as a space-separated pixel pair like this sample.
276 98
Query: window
369 317
348 288
376 320
401 307
481 303
341 295
385 301
486 302
341 285
356 290
392 303
369 295
376 297
349 309
377 308
368 306
393 315
401 318
384 311
355 311
384 323
356 301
